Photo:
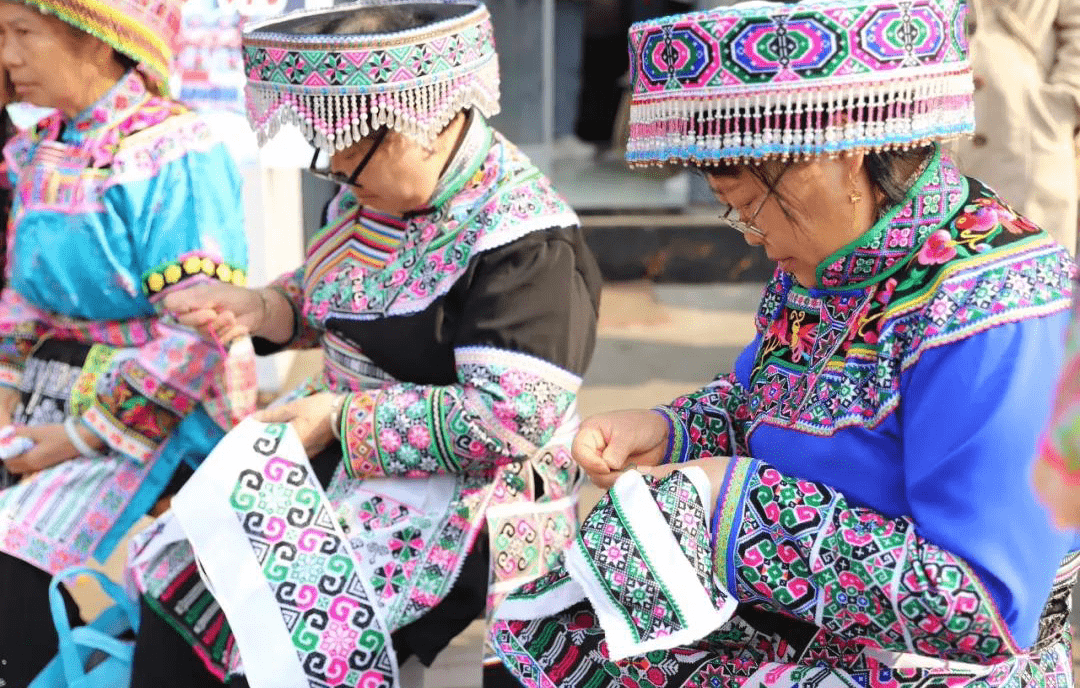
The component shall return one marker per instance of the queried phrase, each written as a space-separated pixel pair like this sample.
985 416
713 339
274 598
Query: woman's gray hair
890 170
372 19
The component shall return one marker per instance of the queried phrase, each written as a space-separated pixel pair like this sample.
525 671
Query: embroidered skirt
564 631
81 508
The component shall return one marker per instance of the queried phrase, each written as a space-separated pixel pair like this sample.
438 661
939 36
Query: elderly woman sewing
454 301
851 506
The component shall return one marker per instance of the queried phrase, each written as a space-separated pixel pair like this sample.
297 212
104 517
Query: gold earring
854 196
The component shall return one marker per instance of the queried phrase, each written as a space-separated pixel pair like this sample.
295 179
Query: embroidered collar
932 200
465 161
120 101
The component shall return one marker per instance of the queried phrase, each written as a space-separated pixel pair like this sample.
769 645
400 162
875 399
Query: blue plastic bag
91 656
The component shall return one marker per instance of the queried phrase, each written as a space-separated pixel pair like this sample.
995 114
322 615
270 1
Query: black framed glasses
320 163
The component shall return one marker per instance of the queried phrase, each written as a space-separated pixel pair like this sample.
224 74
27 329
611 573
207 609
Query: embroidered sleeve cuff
728 516
358 444
678 443
112 432
189 269
132 411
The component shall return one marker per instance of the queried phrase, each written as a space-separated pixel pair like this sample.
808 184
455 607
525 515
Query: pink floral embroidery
389 440
419 437
939 248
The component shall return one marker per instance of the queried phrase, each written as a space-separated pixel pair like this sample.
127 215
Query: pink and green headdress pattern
339 88
762 80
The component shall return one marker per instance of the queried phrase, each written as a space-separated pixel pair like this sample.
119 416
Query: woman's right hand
609 443
219 311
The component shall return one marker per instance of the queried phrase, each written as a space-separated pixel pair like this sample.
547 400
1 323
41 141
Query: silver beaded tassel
786 123
336 121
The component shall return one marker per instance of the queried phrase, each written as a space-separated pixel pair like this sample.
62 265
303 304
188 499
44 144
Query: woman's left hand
310 417
715 468
51 446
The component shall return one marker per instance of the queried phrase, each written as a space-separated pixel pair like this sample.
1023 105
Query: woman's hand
51 447
9 399
715 468
1059 497
607 444
224 312
310 417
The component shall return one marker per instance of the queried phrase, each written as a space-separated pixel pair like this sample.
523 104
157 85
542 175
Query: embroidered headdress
339 86
764 80
144 30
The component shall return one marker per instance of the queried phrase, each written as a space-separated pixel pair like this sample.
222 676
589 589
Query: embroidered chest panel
504 199
71 177
833 358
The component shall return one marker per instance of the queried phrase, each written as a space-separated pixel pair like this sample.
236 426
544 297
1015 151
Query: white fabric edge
202 508
551 601
694 601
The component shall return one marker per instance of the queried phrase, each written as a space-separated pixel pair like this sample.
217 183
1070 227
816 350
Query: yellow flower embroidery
172 274
224 273
192 265
208 266
239 278
155 281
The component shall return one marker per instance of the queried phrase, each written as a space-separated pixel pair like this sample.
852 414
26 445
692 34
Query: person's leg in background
569 54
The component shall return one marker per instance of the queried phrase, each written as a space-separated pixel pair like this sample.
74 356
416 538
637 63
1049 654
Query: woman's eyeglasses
320 163
731 215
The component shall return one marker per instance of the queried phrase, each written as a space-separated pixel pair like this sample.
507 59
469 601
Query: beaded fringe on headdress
337 89
764 81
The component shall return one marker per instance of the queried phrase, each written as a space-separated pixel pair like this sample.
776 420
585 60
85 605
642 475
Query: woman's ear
854 161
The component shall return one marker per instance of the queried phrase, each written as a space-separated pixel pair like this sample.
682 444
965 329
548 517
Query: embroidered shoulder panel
834 359
72 177
175 133
505 199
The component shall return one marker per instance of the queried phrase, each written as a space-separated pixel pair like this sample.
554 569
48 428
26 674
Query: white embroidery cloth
642 560
272 552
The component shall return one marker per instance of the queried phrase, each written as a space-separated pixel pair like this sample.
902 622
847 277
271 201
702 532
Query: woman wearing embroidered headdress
851 506
455 303
121 197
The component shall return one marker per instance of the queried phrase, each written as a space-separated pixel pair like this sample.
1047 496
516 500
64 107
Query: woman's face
47 63
400 176
820 219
